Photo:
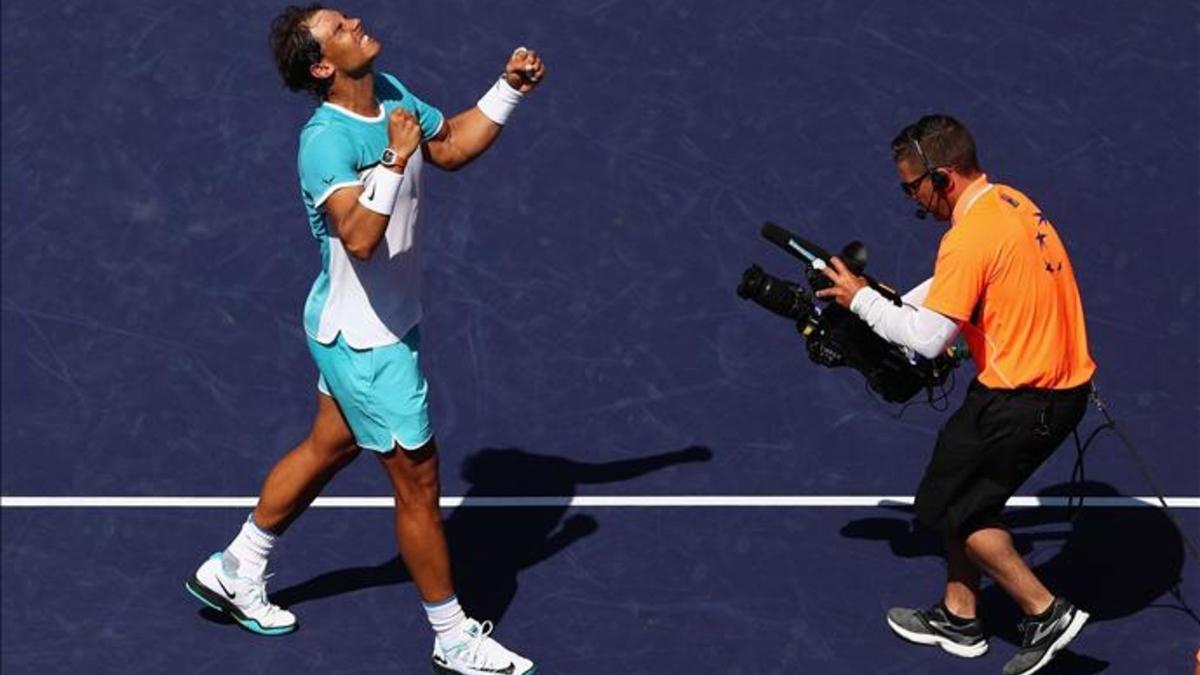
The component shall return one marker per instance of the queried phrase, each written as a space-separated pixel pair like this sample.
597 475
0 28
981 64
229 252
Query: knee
333 455
418 496
415 479
344 454
422 486
987 540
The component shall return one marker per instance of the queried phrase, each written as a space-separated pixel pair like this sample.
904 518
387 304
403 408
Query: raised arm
468 134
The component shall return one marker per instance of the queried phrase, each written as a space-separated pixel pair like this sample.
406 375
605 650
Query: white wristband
499 101
380 190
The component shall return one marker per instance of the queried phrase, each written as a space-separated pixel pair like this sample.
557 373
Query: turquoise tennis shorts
382 393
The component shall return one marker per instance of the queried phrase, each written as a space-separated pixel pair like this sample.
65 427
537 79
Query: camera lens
780 296
752 279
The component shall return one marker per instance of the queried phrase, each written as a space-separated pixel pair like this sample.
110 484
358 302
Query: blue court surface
644 474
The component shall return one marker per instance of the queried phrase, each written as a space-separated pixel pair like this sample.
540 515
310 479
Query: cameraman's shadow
1111 562
490 546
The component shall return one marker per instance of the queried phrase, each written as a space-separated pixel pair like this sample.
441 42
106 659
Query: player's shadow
489 547
1111 562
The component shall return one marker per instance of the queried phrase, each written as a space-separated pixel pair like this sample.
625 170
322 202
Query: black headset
939 179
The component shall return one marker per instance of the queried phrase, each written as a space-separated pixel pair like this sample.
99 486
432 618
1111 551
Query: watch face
388 158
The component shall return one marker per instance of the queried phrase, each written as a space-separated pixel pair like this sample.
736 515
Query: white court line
787 501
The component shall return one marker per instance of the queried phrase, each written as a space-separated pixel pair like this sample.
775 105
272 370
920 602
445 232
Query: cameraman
1003 278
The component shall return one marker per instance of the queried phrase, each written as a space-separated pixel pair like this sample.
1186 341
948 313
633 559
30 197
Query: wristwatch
390 158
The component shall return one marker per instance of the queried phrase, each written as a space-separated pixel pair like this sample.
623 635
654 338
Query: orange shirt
1003 273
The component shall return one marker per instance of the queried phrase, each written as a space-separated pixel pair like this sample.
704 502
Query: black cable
1077 471
1075 487
1110 423
941 399
948 389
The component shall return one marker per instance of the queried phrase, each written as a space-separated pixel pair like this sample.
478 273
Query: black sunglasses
910 188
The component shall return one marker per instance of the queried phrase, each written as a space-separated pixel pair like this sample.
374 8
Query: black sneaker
1041 639
933 626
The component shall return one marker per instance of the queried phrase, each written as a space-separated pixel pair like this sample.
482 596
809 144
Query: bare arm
462 138
360 214
468 134
359 228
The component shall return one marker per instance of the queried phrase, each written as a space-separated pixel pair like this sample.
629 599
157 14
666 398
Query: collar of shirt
974 191
353 115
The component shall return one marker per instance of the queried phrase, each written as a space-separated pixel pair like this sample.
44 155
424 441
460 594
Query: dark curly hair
296 50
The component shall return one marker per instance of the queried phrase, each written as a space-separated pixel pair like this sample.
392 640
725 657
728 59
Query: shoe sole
1081 617
439 669
215 601
948 645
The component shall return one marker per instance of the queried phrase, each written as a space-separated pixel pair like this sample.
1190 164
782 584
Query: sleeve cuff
863 300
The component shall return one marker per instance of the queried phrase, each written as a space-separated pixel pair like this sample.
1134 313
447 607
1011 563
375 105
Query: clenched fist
404 133
524 70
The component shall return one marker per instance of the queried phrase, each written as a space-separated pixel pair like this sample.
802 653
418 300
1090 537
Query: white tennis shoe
476 653
217 585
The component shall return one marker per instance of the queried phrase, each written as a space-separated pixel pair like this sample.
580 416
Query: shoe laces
472 648
259 588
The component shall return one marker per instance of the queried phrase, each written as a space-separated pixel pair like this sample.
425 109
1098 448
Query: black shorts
988 448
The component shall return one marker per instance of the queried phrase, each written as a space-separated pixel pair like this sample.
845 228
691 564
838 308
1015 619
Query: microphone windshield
808 252
776 234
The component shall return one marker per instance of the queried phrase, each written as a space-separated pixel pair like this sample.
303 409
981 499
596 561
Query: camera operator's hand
845 283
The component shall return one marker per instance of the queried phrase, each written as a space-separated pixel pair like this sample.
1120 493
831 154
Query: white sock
250 548
445 617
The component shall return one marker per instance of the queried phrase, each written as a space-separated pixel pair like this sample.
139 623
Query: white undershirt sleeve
924 331
919 292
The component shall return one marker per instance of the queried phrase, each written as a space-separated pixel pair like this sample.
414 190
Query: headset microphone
939 180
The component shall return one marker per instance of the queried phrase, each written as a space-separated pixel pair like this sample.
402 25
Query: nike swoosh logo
327 181
945 627
1040 632
227 593
372 195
